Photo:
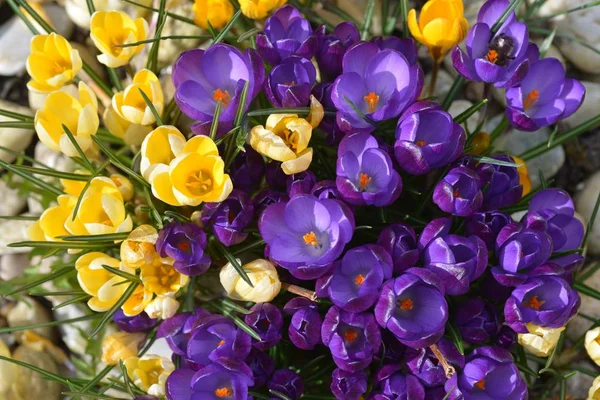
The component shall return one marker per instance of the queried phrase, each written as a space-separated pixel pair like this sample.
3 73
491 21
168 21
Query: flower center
311 238
359 279
421 143
372 101
531 99
363 181
221 343
183 246
224 96
492 56
198 183
223 392
406 304
535 303
290 138
456 194
290 83
480 384
350 335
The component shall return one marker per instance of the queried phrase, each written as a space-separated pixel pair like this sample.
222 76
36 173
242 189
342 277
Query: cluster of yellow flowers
218 12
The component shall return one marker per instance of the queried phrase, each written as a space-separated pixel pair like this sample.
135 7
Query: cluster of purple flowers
385 303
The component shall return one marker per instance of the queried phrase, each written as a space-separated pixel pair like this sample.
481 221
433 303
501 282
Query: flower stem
434 75
448 369
300 291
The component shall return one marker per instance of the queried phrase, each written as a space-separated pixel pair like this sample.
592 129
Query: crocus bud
138 249
149 373
267 321
261 273
162 307
540 341
120 346
591 344
287 382
594 392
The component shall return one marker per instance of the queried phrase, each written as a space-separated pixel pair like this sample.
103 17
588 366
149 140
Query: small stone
585 201
13 265
551 7
14 139
71 334
442 86
460 106
10 201
78 12
28 311
170 50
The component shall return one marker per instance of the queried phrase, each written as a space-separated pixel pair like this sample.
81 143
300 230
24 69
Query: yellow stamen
406 304
350 335
221 343
311 238
223 392
372 100
457 194
534 303
359 279
183 246
531 99
480 384
364 181
492 56
421 143
224 96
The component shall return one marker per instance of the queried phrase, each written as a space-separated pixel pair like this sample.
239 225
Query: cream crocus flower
540 341
124 185
594 392
131 106
138 249
79 114
110 30
120 346
592 344
285 138
105 287
160 147
52 63
263 276
102 210
149 373
162 307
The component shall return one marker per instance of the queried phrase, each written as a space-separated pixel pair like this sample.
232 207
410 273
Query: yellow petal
299 164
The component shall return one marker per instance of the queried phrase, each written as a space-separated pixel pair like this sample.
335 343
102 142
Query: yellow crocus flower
138 301
594 391
124 185
52 63
120 346
285 138
217 12
160 147
138 249
79 114
441 26
105 287
150 373
110 30
74 187
259 9
524 179
132 134
130 105
52 221
162 278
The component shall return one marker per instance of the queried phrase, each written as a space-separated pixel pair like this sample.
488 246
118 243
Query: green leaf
547 43
585 289
242 105
151 107
109 314
50 324
17 124
462 117
552 136
17 116
114 77
558 14
588 272
38 182
152 63
356 109
566 37
23 156
126 378
123 274
107 237
49 375
88 395
510 9
82 155
49 277
234 306
249 34
57 294
368 19
234 262
76 299
54 173
169 14
550 359
493 161
226 136
61 245
215 123
280 395
456 337
227 27
96 379
177 216
117 163
590 225
19 217
153 211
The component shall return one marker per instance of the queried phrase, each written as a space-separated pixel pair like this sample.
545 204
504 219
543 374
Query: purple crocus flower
393 384
456 260
547 301
556 207
289 83
477 321
228 218
305 327
216 337
423 364
305 235
544 97
488 374
288 383
459 192
247 169
267 321
266 197
226 380
300 183
413 307
353 338
330 55
326 190
347 385
400 241
500 58
380 84
262 366
406 46
185 243
140 323
520 249
176 330
506 337
365 174
202 78
356 280
434 229
486 226
286 34
503 187
322 92
427 138
435 393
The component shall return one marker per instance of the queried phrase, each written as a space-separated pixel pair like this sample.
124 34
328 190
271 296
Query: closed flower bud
594 392
215 12
259 9
149 373
285 138
131 106
138 249
79 114
592 345
120 346
162 307
110 30
263 276
52 63
540 341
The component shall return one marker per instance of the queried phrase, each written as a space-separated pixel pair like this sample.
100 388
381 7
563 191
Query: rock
14 139
31 385
459 106
13 265
442 86
28 311
12 231
585 201
585 26
589 107
552 51
71 334
10 201
579 384
551 7
78 12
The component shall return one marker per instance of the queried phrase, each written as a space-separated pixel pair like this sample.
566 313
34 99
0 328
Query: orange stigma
224 96
421 143
223 392
183 246
456 194
350 335
364 181
291 83
221 343
311 238
372 100
406 304
492 56
480 384
531 99
359 279
534 303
